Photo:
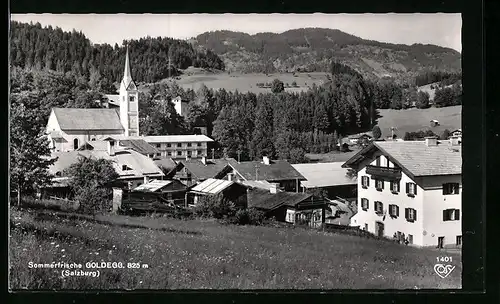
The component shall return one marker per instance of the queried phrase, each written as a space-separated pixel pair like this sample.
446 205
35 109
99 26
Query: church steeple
127 76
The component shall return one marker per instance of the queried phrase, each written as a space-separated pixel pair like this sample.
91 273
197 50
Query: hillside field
247 82
412 120
201 254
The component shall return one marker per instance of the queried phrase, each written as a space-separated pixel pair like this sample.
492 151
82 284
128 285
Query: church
70 128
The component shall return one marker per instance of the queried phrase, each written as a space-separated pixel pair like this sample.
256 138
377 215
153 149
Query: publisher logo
443 270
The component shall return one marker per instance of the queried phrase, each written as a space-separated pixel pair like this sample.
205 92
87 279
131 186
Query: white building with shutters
411 188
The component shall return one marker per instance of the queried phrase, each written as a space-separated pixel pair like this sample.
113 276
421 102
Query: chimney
265 159
274 188
204 160
455 141
431 141
111 147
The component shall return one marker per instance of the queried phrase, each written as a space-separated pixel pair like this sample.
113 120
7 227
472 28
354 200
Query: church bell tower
129 102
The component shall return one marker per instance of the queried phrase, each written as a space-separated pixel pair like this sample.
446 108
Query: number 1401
444 259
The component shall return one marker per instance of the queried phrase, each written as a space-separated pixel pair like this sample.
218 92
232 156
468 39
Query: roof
153 185
139 145
177 138
353 136
418 158
212 186
208 170
166 163
55 134
276 170
113 99
264 199
87 119
257 184
324 174
139 164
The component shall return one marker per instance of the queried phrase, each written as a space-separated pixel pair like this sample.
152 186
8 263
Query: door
379 229
441 242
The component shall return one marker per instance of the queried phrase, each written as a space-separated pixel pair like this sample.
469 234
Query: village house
356 138
138 145
179 146
194 171
232 191
411 188
273 171
330 177
290 207
132 167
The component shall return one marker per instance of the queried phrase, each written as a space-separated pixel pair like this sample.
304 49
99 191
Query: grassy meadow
203 254
194 78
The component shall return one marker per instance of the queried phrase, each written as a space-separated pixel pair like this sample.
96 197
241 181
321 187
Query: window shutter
444 215
367 182
375 206
444 189
391 186
367 203
407 188
415 214
415 188
382 184
457 214
397 210
457 188
406 213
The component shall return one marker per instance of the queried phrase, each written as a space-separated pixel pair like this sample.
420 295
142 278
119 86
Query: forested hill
311 49
45 47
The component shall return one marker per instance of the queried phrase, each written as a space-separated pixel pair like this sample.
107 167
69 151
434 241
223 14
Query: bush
93 200
241 217
215 206
256 217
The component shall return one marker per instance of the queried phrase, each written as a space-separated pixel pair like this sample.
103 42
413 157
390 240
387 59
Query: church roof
87 119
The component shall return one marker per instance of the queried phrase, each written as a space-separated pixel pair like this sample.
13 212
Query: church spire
127 76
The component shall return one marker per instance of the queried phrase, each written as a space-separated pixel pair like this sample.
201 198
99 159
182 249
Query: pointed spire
127 76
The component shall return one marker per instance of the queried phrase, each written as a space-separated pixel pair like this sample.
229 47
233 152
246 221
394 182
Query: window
199 152
459 240
179 145
131 98
198 144
158 154
394 186
451 188
126 168
379 207
365 182
410 238
93 139
189 144
387 162
379 184
451 215
76 144
189 153
179 153
393 210
411 189
377 161
410 214
158 145
364 204
169 145
169 153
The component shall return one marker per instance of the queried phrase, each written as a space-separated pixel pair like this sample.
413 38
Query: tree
422 100
376 132
29 148
262 143
277 86
297 156
89 178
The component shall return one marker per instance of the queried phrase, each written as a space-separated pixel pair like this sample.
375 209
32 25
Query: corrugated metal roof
324 174
212 186
210 169
87 119
257 184
264 199
153 185
139 145
276 170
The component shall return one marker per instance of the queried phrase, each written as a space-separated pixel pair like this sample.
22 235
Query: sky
439 29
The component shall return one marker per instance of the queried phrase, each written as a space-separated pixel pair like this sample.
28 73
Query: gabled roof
113 99
275 171
212 186
165 163
87 119
209 170
154 185
324 174
139 145
257 184
139 164
264 199
416 157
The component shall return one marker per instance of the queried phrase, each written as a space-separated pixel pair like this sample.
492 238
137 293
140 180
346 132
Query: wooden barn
235 192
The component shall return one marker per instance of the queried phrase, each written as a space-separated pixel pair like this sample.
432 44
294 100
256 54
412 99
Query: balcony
384 172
